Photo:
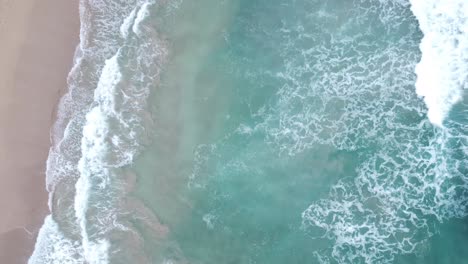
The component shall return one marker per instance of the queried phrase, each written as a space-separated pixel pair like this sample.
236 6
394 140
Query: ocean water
262 131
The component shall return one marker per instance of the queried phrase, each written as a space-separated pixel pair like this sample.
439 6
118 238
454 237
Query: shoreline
38 41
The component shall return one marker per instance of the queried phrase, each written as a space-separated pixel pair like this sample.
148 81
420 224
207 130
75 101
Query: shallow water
284 131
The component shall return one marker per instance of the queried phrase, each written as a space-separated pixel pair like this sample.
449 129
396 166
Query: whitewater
444 55
270 132
96 145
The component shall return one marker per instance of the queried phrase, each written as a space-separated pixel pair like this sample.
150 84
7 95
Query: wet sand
37 43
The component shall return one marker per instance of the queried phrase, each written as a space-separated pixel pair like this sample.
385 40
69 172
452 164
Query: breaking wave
443 69
101 126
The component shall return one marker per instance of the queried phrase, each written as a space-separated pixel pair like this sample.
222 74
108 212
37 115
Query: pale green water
267 105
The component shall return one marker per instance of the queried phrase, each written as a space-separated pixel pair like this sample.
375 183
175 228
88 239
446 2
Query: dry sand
37 42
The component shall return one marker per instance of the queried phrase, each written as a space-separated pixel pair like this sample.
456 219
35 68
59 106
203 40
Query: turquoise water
276 103
257 131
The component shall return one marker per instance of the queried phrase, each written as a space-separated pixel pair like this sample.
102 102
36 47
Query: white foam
442 73
112 136
141 15
334 91
93 165
127 24
386 211
53 247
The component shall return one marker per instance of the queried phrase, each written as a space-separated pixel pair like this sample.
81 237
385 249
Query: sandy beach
37 43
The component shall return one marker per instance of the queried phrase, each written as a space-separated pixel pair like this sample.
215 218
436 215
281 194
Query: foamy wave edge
442 73
56 243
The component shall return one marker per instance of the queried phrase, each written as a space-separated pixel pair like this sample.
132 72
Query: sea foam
443 69
100 128
112 136
53 247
